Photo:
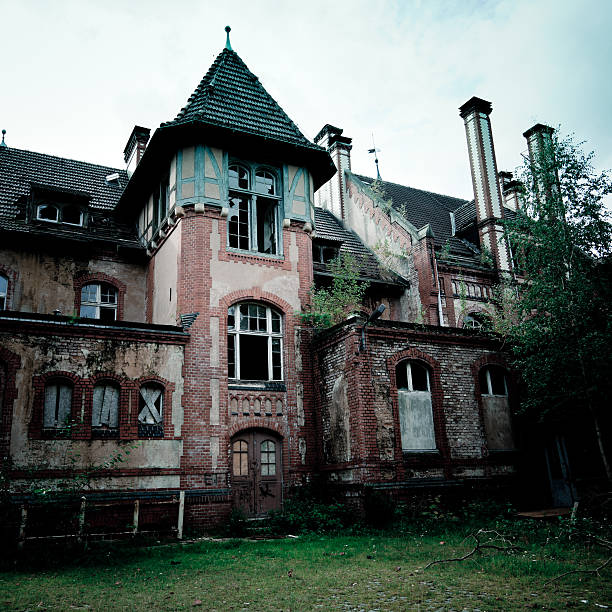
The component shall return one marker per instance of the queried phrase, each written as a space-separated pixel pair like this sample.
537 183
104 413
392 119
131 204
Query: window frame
4 293
251 195
410 392
99 431
59 210
58 429
155 429
98 303
234 334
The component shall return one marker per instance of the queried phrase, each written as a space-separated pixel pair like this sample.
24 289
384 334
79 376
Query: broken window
105 410
70 214
99 301
150 414
496 408
58 405
415 407
324 253
254 342
3 291
253 218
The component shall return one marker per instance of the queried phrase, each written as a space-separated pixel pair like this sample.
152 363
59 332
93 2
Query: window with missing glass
323 252
496 412
254 209
415 406
254 342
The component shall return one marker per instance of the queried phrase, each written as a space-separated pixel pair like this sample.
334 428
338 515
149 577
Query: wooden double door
256 472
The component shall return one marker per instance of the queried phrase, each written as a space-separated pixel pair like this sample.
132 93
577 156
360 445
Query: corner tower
224 198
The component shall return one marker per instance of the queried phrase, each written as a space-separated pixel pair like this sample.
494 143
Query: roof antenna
3 144
228 46
374 150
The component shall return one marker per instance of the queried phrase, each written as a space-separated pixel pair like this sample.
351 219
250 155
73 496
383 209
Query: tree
558 315
331 305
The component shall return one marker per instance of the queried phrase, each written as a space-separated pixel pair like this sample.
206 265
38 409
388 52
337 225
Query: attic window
70 214
324 253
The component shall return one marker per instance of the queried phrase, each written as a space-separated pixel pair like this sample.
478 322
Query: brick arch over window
9 365
80 280
437 403
38 384
265 424
500 360
168 387
256 295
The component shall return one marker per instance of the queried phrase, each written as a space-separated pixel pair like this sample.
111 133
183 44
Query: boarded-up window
105 410
415 408
150 416
240 454
496 408
58 405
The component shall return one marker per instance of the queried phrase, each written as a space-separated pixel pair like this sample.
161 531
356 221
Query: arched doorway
256 471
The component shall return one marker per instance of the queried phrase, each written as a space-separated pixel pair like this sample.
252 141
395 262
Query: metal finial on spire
374 150
228 46
3 144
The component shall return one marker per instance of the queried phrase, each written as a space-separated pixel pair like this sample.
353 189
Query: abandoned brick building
150 334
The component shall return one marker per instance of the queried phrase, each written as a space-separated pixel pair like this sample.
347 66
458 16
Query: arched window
415 407
57 410
474 320
105 410
72 215
150 410
254 342
99 301
3 291
253 219
496 407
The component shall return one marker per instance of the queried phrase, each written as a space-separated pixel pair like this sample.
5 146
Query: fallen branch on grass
495 541
596 570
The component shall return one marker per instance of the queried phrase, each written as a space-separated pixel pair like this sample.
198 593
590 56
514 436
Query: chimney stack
475 114
135 147
331 196
541 155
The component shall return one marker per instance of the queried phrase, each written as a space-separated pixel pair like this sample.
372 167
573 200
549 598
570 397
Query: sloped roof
329 228
231 96
21 170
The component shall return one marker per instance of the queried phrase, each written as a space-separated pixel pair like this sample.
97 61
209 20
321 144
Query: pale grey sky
78 74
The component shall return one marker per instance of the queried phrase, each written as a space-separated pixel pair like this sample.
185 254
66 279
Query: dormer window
254 210
99 301
70 214
324 252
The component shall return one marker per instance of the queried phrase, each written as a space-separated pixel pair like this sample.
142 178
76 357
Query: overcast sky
77 75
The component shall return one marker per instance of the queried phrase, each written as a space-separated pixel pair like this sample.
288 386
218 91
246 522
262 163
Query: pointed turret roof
230 109
231 96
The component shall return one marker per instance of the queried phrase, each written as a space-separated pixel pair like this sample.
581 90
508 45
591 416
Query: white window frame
98 303
59 214
235 332
251 195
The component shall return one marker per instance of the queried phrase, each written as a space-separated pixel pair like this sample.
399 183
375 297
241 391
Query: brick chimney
541 151
135 147
475 114
332 195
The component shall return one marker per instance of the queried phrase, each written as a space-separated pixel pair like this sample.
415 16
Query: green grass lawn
314 572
